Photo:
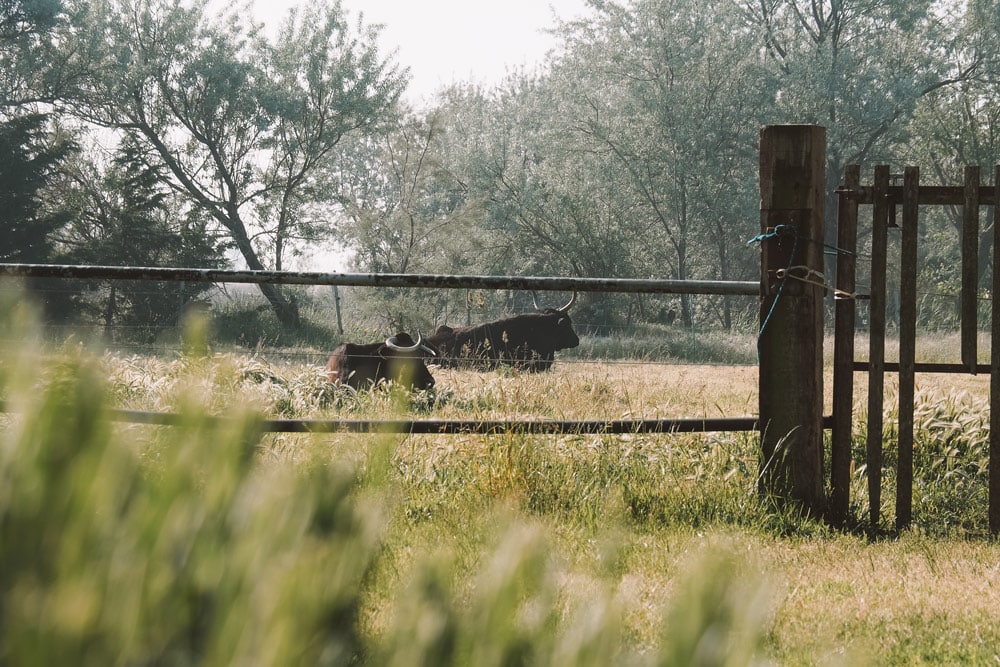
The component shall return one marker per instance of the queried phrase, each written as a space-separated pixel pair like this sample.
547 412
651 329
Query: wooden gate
888 195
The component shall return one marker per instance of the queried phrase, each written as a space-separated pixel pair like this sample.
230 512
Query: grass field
211 543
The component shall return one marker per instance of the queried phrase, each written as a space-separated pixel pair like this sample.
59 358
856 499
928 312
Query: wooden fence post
336 305
907 346
790 343
970 269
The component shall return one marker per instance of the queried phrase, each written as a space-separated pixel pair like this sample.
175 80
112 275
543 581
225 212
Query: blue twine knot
779 230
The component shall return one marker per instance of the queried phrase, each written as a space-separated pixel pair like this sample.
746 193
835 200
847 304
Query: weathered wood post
790 343
336 305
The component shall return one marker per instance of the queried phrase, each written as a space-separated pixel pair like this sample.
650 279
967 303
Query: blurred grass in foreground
188 549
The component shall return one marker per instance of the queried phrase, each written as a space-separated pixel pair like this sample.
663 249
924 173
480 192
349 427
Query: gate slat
994 465
970 267
907 345
843 348
876 351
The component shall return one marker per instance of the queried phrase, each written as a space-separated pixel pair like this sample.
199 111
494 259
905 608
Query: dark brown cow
399 359
528 341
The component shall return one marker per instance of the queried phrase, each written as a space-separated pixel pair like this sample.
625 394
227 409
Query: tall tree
406 209
30 159
953 127
239 123
611 161
859 68
26 64
677 100
126 215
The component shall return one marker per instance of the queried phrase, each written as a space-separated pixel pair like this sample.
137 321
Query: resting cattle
528 341
399 359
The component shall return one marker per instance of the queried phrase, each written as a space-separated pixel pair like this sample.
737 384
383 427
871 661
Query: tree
677 100
405 209
29 163
125 215
239 124
26 68
859 68
633 153
953 127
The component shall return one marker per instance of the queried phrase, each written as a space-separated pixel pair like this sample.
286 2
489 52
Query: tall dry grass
213 543
195 545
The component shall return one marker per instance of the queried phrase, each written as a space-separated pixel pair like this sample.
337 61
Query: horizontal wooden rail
893 367
445 281
926 194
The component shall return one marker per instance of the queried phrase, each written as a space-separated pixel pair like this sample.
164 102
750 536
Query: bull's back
528 341
469 345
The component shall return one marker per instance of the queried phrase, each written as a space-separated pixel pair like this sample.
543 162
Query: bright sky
443 41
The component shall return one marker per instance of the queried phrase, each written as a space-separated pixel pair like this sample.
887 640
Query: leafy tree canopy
238 123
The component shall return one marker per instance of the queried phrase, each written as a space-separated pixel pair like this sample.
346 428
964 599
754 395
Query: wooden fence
897 204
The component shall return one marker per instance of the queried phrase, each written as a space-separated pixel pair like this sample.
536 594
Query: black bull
399 359
527 342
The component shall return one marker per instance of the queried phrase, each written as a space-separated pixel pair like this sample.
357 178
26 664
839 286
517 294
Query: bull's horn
534 302
392 344
571 301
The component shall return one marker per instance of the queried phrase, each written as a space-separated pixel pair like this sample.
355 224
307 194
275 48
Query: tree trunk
285 308
687 312
111 310
722 247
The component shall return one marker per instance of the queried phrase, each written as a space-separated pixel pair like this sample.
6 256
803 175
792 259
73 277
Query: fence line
423 426
441 281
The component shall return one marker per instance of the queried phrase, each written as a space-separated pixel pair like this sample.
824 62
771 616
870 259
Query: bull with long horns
527 341
399 360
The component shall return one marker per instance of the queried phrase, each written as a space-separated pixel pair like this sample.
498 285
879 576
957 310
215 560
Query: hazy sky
456 40
443 41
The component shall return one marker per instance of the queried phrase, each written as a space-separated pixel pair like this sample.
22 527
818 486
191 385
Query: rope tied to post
813 277
779 231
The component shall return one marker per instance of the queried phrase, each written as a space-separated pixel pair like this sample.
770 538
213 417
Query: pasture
212 543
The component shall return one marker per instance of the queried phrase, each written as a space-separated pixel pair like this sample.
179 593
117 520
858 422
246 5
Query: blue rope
779 230
788 230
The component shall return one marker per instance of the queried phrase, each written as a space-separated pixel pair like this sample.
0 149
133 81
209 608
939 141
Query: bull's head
406 360
564 335
402 342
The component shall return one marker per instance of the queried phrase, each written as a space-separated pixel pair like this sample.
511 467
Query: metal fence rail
443 281
482 426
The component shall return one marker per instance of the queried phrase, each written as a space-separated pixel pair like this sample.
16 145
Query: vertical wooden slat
970 267
994 501
843 348
876 347
907 346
